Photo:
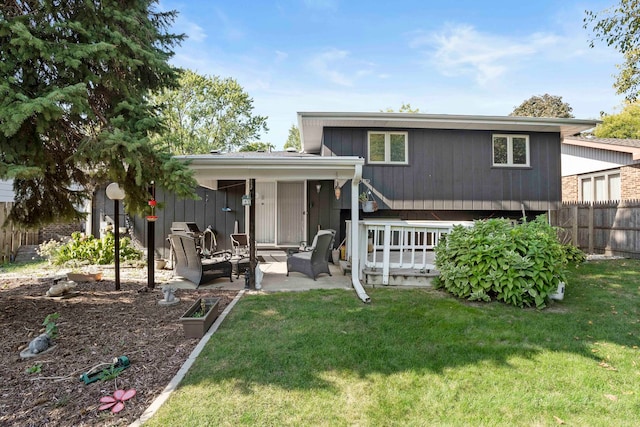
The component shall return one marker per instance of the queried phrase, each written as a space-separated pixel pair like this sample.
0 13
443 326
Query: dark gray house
447 167
417 167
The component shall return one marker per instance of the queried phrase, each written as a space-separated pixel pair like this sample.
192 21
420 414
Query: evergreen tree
74 79
293 140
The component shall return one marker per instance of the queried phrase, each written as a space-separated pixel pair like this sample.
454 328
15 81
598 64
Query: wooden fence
12 237
610 228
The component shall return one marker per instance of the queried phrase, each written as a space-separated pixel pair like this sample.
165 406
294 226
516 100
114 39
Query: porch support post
252 234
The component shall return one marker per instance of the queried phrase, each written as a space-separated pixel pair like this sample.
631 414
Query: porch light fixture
336 190
115 193
318 187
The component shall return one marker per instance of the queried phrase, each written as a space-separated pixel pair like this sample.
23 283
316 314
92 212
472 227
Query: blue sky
443 57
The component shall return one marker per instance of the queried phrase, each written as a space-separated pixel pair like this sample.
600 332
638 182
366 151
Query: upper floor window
388 147
510 150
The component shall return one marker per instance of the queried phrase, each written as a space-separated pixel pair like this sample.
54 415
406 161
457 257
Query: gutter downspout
355 243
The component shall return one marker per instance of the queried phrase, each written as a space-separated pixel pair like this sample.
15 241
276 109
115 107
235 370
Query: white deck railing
398 244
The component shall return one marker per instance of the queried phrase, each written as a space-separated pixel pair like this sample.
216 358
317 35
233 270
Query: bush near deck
518 264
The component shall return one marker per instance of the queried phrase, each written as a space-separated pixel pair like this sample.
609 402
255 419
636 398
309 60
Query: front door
280 213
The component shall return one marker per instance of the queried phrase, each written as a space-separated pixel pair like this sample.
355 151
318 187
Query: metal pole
116 231
151 245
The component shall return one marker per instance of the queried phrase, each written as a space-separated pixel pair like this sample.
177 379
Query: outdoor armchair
193 267
312 263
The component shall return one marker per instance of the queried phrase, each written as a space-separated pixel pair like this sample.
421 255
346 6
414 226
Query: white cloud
281 56
194 32
326 65
321 4
462 50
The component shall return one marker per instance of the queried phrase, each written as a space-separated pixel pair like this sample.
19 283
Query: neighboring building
600 169
6 191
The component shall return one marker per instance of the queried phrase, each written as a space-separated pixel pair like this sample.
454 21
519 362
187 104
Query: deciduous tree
626 124
258 146
404 108
619 27
543 106
207 113
74 79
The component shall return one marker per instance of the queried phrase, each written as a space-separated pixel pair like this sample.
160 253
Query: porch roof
283 166
311 124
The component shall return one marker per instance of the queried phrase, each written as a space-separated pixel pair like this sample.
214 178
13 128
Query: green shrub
90 250
517 264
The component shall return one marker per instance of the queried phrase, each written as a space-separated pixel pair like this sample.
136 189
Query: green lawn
421 357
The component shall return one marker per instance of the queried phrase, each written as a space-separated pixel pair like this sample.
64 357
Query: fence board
611 228
11 236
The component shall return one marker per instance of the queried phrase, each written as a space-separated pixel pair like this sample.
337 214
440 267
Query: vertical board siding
205 211
452 170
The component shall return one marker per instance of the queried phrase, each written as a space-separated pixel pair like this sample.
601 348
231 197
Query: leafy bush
82 248
518 264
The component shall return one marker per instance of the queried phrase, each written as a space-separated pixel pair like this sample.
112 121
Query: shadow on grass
291 339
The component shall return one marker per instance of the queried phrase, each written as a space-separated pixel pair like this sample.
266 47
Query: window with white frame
387 147
511 150
599 187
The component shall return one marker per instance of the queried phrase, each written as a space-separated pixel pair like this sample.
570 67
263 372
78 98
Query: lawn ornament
116 402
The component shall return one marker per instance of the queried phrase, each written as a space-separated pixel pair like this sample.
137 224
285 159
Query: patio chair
240 244
315 262
191 266
304 248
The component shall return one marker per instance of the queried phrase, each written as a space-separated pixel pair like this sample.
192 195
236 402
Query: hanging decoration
152 217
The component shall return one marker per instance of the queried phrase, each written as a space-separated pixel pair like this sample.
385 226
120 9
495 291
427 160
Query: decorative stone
39 345
61 288
169 297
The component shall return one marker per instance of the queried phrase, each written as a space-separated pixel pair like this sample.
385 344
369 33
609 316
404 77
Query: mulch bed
96 326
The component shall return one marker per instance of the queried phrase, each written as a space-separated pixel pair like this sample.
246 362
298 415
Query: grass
25 268
421 357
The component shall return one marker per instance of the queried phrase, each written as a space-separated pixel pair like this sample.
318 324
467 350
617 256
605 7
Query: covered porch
285 168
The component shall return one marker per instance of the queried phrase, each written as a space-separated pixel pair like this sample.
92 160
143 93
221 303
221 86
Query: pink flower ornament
116 402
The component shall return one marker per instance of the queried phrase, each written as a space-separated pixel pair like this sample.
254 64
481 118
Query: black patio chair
193 267
315 262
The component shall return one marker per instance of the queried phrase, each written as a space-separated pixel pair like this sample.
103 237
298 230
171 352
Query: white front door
280 213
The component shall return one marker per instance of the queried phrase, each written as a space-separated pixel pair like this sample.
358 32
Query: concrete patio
273 264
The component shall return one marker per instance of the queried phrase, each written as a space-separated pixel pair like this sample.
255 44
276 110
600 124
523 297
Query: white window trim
509 163
592 177
387 147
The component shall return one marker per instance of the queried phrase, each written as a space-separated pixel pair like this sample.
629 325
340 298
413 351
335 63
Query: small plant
50 326
35 369
49 250
111 372
364 196
90 250
202 310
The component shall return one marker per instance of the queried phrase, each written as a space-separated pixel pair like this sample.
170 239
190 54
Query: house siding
204 212
452 170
